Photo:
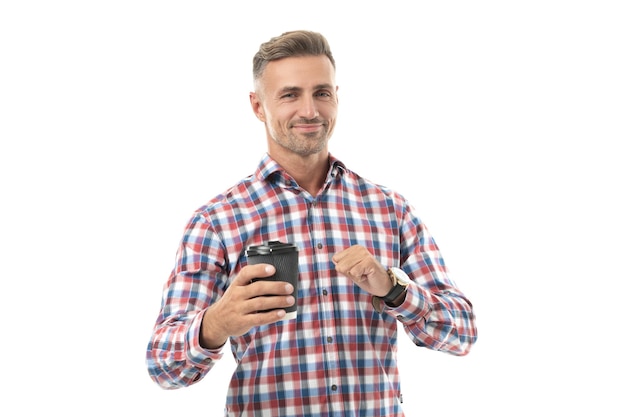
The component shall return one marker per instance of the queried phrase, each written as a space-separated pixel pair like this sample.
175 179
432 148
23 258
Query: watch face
401 276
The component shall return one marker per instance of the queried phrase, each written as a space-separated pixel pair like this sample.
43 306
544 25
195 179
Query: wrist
397 293
209 337
399 282
398 300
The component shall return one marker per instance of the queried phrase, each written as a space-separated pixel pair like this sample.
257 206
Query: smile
308 127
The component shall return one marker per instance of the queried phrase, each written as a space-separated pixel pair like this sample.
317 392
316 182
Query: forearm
174 357
435 312
443 322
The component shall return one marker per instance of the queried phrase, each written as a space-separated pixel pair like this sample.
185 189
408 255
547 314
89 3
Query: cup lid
273 246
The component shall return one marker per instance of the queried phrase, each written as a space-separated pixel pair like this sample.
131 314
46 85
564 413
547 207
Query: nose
308 108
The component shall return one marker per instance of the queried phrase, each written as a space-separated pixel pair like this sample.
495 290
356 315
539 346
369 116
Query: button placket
327 325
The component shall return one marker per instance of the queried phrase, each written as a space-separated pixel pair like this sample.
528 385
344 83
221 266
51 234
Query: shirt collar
270 170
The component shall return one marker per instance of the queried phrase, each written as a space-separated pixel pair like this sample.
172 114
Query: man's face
296 98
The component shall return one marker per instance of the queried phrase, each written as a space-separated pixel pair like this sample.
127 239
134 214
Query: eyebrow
293 89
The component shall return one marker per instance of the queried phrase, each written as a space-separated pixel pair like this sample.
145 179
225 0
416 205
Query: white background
502 121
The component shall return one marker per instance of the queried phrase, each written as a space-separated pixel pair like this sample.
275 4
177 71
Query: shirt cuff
415 306
196 354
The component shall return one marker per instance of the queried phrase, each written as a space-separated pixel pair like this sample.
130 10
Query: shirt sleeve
174 356
435 313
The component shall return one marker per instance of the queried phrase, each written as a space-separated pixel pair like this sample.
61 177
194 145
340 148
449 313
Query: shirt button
320 246
334 387
324 292
329 339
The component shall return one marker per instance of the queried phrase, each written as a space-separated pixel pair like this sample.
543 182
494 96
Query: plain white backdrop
502 122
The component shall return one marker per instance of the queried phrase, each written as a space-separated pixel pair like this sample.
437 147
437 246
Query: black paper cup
284 257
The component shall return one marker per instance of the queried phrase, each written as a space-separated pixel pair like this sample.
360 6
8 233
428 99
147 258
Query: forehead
302 72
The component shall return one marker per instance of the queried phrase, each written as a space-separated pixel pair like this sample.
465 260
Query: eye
288 95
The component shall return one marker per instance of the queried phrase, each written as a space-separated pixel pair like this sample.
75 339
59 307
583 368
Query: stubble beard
305 144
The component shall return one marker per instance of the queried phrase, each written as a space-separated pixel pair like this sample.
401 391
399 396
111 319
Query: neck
310 171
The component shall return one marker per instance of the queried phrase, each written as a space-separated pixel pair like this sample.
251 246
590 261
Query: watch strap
395 293
396 290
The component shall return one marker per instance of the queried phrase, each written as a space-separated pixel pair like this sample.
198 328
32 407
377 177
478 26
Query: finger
337 257
365 267
266 317
273 302
266 287
350 255
340 256
358 274
249 272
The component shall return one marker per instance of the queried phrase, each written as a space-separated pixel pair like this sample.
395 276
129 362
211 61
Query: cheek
329 111
282 117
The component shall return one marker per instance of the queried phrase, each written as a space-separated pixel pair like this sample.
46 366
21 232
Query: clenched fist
358 264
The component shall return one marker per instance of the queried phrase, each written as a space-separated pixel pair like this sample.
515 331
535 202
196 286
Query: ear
257 106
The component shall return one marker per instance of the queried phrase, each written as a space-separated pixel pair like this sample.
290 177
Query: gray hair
290 44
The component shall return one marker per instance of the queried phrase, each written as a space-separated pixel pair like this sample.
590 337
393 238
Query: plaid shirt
339 356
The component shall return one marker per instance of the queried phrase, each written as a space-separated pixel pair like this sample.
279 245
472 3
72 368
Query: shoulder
241 194
228 200
370 187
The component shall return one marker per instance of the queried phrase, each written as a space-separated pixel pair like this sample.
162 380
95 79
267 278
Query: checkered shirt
339 356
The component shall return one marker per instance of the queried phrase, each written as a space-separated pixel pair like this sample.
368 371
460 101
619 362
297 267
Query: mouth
309 126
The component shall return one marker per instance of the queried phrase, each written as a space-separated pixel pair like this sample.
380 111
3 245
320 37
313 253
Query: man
366 262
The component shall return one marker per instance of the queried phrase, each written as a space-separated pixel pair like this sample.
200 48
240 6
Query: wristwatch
399 280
